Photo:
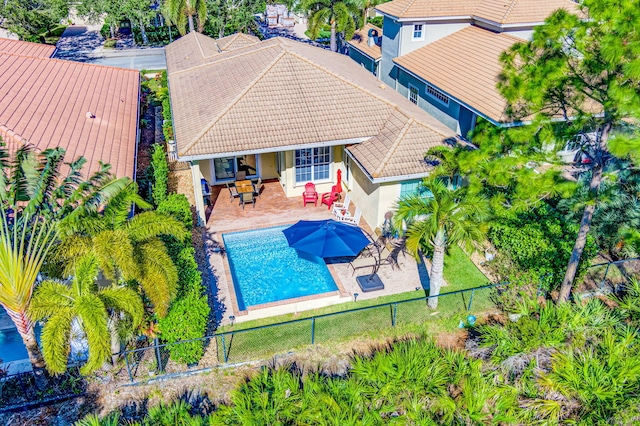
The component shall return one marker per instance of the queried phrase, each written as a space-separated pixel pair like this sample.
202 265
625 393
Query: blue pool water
265 269
11 346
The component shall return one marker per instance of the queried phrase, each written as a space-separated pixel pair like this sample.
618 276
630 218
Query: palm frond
49 298
125 300
55 340
93 314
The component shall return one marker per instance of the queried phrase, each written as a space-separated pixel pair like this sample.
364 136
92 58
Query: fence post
224 349
126 360
471 299
606 272
313 330
158 357
393 316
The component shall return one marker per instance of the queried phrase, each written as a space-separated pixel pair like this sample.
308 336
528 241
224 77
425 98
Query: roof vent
89 114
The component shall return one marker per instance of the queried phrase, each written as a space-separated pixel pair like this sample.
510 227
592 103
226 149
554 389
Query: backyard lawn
374 319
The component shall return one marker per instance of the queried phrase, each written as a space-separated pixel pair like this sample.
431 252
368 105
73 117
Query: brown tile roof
25 48
281 93
196 49
499 11
45 102
457 66
360 41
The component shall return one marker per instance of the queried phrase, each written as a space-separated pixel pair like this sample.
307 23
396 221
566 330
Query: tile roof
194 48
360 41
45 102
476 70
498 11
24 48
281 93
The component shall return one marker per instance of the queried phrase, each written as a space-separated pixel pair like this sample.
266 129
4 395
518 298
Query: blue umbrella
326 238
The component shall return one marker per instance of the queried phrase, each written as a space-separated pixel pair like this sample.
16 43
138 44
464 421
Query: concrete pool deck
273 208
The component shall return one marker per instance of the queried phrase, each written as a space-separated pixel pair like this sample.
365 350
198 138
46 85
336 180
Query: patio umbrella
326 238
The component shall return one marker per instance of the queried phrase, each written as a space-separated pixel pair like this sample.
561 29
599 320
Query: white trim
423 28
302 183
274 149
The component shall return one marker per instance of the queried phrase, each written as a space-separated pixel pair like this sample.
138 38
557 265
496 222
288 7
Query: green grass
410 317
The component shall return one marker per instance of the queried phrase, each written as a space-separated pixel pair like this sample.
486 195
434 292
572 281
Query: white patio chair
351 220
341 206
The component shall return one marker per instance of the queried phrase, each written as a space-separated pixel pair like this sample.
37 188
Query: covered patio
274 208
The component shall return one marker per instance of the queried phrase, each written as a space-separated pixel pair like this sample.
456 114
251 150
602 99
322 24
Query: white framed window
413 94
418 32
435 93
313 164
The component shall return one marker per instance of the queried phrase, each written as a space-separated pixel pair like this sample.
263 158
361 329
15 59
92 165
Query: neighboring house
90 110
297 113
444 55
364 47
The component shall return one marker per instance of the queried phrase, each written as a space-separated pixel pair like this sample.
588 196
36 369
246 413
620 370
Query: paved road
83 43
137 59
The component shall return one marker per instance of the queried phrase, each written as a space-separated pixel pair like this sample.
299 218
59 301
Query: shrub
160 174
540 241
110 44
187 319
377 21
105 31
177 206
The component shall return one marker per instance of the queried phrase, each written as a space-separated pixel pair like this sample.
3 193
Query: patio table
244 186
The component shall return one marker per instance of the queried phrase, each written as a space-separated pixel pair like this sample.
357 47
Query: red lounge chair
310 195
330 197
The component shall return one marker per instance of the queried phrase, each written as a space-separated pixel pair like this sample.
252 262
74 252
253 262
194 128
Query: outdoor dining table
244 186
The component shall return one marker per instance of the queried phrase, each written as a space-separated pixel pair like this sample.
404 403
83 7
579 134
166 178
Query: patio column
196 175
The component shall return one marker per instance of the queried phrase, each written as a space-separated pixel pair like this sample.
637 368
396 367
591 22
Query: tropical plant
35 196
438 221
160 169
181 12
586 72
339 14
367 7
29 19
83 305
126 248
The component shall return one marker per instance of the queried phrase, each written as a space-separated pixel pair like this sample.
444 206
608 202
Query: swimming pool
265 269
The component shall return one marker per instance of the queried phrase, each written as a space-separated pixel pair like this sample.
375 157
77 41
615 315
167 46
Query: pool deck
273 208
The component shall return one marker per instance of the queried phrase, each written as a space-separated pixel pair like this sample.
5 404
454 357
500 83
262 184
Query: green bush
177 206
156 36
377 21
110 44
105 31
187 319
540 241
160 174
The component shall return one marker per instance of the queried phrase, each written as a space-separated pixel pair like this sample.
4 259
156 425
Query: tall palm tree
367 6
339 14
81 304
126 248
35 196
445 218
181 12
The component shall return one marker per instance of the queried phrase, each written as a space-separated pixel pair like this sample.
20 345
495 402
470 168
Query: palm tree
34 197
126 248
441 220
339 14
366 6
181 12
81 304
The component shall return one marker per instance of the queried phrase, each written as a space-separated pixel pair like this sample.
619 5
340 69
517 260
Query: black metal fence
235 344
612 274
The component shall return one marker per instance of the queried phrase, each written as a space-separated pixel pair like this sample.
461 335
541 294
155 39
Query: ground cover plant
575 363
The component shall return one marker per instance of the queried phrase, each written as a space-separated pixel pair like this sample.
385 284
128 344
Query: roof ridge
508 11
407 7
69 62
232 103
223 58
393 148
13 135
195 36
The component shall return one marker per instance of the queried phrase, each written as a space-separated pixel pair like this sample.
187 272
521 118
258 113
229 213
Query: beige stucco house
280 109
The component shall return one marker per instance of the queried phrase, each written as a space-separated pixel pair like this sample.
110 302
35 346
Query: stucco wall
432 31
390 47
523 33
268 167
361 59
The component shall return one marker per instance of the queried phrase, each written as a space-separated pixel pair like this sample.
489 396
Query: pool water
11 346
265 269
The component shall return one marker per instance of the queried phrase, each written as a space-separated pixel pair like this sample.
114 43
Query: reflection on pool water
265 269
11 346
